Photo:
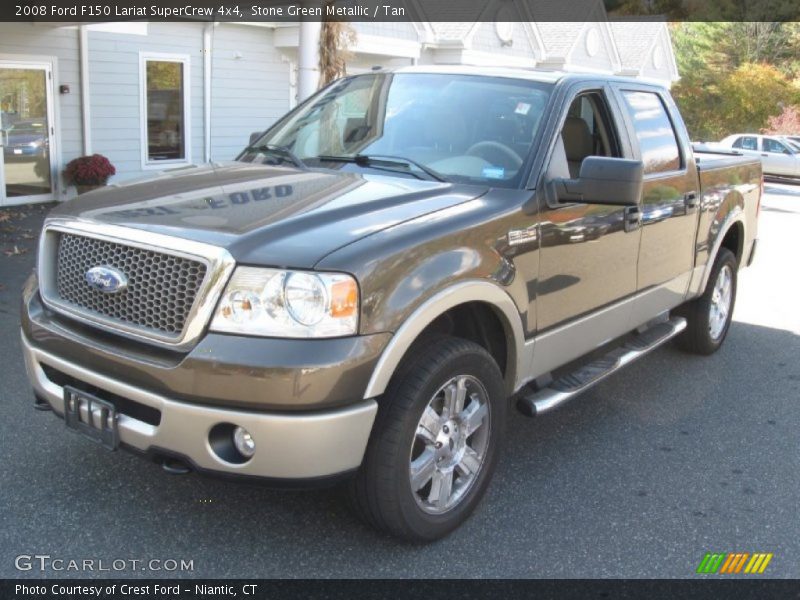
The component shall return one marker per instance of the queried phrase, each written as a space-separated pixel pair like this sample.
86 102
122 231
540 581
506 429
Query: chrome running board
593 372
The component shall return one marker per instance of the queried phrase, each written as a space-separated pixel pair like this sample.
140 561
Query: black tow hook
173 466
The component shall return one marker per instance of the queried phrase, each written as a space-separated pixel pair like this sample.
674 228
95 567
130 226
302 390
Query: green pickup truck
364 293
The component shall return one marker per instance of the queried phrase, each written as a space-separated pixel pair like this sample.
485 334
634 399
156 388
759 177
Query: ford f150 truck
365 291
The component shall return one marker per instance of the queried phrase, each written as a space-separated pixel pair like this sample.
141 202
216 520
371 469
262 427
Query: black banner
97 11
569 589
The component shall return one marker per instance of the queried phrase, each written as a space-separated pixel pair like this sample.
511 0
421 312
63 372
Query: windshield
463 128
795 146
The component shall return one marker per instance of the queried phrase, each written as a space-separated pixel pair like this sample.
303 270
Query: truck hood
266 215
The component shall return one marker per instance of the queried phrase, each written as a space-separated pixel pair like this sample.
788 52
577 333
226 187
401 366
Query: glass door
26 166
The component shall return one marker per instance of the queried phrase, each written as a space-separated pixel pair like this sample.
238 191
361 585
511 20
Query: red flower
89 170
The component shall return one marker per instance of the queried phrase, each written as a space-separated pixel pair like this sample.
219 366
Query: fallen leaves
15 251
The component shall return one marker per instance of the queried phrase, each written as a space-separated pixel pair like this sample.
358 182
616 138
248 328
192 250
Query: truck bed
708 158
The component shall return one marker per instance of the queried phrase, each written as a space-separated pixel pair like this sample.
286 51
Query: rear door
746 144
670 199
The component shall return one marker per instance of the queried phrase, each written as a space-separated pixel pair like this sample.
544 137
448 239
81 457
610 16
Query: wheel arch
732 235
462 293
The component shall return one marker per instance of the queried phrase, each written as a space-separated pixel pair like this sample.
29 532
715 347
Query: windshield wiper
281 151
386 162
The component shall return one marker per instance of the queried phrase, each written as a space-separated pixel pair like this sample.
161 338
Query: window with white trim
165 110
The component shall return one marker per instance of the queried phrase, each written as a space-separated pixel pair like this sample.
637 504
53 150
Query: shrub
89 170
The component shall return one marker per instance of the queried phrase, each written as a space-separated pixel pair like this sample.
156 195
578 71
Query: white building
152 96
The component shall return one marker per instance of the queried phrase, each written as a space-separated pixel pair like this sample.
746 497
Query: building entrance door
26 130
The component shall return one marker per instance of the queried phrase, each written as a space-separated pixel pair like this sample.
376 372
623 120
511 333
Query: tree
734 76
752 94
335 41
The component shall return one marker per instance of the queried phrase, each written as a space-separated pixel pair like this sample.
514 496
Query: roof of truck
514 73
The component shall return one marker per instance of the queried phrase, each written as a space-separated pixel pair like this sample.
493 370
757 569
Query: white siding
485 39
114 82
249 93
659 61
60 45
400 30
595 36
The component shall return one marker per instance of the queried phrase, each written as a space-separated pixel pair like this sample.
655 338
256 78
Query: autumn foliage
736 77
786 123
89 170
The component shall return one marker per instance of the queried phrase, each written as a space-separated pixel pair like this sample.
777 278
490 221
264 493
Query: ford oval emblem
106 279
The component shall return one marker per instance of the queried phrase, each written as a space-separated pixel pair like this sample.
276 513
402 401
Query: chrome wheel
450 444
720 305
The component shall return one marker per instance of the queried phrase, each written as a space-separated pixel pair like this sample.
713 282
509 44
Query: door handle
764 154
691 200
633 218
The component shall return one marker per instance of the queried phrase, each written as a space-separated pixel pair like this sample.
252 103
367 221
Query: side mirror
603 180
254 137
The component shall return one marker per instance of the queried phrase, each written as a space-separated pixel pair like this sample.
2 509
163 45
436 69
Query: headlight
296 304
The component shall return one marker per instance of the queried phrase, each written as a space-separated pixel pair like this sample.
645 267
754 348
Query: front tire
709 316
435 442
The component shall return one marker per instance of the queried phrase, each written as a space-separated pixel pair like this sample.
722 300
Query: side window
750 143
588 131
774 146
657 140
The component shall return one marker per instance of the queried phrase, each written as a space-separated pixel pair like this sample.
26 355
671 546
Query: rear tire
709 316
435 442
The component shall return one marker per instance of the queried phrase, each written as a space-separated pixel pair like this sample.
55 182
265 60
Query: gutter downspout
308 59
207 48
83 39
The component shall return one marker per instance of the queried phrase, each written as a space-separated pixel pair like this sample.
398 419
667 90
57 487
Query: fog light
244 442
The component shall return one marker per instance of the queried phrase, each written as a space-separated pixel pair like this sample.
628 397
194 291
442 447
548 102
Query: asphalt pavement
640 477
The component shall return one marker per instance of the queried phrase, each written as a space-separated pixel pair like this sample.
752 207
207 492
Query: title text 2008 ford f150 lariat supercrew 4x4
360 293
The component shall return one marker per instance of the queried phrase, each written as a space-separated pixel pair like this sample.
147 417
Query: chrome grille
161 287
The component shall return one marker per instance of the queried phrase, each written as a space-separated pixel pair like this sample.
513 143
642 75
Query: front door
26 127
588 255
777 158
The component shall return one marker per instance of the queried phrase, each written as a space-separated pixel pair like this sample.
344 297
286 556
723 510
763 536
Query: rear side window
746 142
657 141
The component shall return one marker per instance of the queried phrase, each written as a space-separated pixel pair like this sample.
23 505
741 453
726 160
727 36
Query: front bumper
289 446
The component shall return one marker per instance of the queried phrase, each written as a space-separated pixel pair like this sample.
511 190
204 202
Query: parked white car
779 155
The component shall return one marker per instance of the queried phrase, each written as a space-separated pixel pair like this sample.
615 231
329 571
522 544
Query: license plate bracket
101 422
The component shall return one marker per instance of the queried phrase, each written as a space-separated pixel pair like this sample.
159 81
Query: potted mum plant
87 173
